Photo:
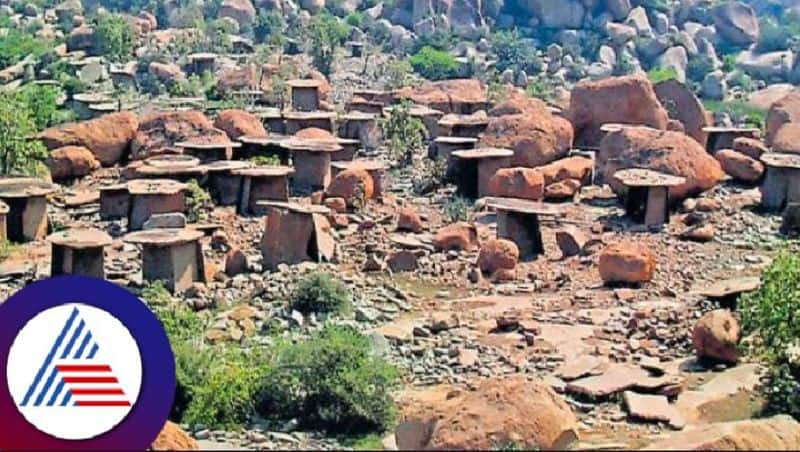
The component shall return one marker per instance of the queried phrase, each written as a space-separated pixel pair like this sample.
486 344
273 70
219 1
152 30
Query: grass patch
322 293
739 111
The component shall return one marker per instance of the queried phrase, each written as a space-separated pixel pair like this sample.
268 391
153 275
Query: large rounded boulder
630 99
353 184
664 151
784 111
736 22
239 123
500 411
70 162
526 126
681 104
522 183
460 96
158 133
716 335
107 137
627 262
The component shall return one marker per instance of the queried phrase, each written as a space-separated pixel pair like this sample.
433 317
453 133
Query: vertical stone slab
34 218
774 188
657 205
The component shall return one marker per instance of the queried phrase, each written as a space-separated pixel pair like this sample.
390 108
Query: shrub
740 111
658 75
771 314
116 37
440 39
699 66
325 34
511 51
331 381
266 160
397 74
405 134
197 200
457 208
729 62
434 64
269 28
18 154
222 386
15 45
320 292
41 101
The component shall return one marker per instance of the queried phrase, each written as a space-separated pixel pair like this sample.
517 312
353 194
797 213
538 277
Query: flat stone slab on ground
652 408
582 366
728 287
616 379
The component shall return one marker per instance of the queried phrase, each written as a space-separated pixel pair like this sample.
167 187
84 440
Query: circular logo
90 374
86 365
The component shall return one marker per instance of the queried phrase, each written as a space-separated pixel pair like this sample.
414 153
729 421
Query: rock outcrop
158 133
681 104
628 100
627 262
238 123
716 335
70 162
461 96
108 136
665 151
775 433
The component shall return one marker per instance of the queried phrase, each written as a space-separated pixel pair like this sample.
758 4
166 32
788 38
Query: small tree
512 51
19 154
320 292
434 64
405 134
325 34
116 37
269 28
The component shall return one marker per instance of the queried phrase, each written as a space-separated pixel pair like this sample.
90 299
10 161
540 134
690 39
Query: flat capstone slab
366 165
455 140
615 127
358 116
308 115
483 153
207 146
715 129
268 113
307 209
155 187
304 83
269 140
163 237
172 161
80 238
523 206
226 165
728 287
459 120
637 177
305 145
166 171
781 160
25 187
264 171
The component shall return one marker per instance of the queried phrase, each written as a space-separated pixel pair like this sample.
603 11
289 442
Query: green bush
41 101
739 110
772 315
699 66
269 28
197 200
18 154
331 381
116 37
434 64
729 63
266 160
325 34
511 51
658 75
222 386
15 45
457 208
405 134
320 292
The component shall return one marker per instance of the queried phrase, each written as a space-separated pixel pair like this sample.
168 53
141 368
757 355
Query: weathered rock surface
107 137
740 166
526 126
459 236
627 262
71 161
460 96
501 411
716 335
498 254
158 133
628 100
523 183
736 22
353 184
681 104
775 433
665 151
784 111
172 437
238 123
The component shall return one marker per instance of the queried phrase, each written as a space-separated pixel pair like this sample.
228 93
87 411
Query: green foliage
740 111
658 75
434 64
331 381
355 19
441 39
266 160
321 292
269 28
698 67
396 74
431 176
6 248
543 88
193 85
197 200
226 393
18 154
457 208
41 101
624 65
16 44
325 34
511 51
116 37
772 36
772 315
405 134
729 62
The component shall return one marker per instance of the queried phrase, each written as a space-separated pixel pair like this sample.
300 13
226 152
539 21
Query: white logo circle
74 371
